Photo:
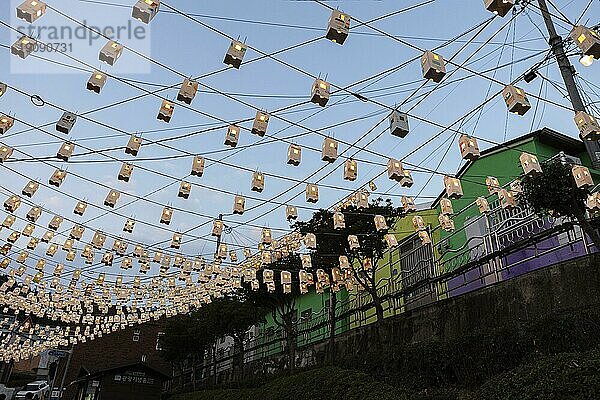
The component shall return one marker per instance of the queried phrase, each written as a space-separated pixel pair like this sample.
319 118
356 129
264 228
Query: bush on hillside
321 383
519 359
471 360
567 376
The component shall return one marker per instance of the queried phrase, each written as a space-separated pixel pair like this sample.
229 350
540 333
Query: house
476 234
412 263
502 162
126 382
310 308
95 364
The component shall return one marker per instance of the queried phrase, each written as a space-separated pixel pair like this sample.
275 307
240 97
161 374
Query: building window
136 335
158 341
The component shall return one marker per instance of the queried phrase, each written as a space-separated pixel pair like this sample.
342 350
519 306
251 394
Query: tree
282 306
236 314
187 337
554 192
331 243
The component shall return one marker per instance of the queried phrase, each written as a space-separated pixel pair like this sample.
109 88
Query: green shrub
547 359
568 376
322 383
471 360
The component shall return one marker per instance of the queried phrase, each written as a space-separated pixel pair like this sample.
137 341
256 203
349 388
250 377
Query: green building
395 270
390 270
502 162
312 314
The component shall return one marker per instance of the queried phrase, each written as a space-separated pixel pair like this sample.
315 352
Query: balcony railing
489 248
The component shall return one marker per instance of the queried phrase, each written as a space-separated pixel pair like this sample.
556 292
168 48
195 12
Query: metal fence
492 247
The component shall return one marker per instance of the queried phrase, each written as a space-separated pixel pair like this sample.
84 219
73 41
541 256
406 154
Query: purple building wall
542 254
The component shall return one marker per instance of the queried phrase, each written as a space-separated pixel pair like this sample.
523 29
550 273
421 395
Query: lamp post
568 74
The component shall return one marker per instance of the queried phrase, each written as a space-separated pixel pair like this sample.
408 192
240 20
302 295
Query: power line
214 126
449 62
350 157
560 17
238 100
583 12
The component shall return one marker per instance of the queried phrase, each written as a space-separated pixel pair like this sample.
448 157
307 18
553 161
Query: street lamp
586 60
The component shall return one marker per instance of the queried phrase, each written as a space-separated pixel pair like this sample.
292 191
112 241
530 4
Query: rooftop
568 144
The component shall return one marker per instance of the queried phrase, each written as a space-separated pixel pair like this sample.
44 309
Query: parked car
38 390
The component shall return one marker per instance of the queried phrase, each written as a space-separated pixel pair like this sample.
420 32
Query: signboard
134 377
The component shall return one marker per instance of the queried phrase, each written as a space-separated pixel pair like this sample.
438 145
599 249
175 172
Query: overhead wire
544 105
215 126
159 62
410 45
560 17
508 23
377 136
585 10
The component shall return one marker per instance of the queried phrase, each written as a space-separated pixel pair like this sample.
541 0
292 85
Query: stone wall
557 289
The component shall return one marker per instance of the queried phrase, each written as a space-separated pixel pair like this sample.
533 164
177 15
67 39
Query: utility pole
64 377
567 70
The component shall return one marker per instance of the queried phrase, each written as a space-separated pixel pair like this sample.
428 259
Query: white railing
504 242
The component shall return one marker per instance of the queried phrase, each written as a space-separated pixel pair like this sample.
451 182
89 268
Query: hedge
471 360
321 383
547 359
566 376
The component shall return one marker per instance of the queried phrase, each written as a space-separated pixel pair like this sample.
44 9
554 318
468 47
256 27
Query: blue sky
193 50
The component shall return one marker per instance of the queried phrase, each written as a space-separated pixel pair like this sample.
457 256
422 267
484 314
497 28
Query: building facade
92 363
126 382
502 162
481 250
